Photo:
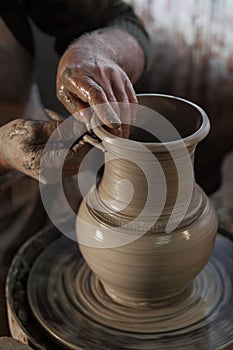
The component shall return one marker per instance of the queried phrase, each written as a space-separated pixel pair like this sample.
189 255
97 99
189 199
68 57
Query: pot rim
188 141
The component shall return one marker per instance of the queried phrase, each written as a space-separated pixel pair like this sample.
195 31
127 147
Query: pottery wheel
68 301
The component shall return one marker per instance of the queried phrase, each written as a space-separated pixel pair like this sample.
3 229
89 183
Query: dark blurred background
46 65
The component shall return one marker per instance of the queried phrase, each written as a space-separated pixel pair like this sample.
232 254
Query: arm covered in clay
22 145
110 54
95 72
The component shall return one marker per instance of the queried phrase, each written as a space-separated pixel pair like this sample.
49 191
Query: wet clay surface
70 304
179 222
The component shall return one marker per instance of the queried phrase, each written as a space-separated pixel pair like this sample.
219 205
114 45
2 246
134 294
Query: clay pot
148 229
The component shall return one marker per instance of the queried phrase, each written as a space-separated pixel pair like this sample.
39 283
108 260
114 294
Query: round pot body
147 229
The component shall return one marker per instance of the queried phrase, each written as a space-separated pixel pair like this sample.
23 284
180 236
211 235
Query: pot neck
131 176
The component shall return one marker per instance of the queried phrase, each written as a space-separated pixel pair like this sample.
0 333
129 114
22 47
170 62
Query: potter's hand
94 71
22 143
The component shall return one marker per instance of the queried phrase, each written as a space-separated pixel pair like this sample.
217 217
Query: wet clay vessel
147 252
146 232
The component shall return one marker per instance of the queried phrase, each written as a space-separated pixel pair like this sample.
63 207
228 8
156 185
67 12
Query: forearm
113 43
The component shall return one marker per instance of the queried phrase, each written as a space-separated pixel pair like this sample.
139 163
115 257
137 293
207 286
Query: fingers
102 89
132 100
74 158
56 159
118 86
79 109
70 100
124 99
49 166
87 90
54 115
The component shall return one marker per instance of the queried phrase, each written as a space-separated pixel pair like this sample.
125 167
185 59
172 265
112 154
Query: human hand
22 143
94 79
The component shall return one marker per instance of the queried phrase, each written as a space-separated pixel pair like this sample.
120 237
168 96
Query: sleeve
66 20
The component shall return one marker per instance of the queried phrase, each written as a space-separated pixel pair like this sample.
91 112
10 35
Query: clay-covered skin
96 70
92 71
22 144
22 141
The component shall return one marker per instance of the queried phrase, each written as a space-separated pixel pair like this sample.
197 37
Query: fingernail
88 125
125 131
114 121
115 125
107 116
117 132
